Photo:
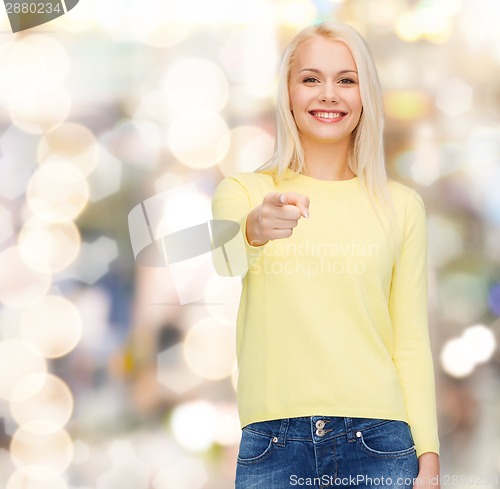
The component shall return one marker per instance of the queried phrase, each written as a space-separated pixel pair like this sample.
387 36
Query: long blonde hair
366 156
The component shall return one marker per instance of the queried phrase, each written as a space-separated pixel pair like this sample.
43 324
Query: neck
327 161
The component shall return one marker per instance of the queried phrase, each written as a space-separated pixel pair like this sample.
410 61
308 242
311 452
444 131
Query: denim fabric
326 451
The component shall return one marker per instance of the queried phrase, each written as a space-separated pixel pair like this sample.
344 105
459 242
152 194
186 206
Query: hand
428 471
276 217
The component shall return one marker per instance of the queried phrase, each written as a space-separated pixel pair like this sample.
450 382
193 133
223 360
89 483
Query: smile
328 116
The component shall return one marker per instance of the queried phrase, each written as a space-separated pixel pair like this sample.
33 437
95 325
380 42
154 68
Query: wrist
428 462
252 234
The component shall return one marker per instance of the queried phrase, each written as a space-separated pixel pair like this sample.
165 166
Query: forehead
323 54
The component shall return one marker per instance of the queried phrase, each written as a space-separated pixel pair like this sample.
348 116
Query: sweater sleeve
412 354
231 201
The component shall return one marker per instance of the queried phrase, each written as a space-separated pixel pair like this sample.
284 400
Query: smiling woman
335 367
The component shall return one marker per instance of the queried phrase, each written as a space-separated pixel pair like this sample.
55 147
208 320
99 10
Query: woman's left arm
412 352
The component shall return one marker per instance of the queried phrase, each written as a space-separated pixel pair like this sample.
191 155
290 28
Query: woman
336 378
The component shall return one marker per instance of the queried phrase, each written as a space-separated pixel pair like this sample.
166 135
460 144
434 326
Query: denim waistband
315 429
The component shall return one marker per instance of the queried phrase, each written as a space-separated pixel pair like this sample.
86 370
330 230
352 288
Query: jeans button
320 424
320 432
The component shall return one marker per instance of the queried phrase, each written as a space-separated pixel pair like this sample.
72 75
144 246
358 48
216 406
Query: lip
328 121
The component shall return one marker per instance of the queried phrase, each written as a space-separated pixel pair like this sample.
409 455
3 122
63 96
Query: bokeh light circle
481 340
55 57
57 192
30 65
19 360
42 443
41 112
199 140
195 84
36 477
20 285
53 324
179 210
52 401
457 359
71 143
208 349
249 145
160 29
22 67
250 58
49 247
297 13
193 424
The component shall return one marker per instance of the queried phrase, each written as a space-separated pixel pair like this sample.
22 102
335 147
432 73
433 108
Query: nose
329 93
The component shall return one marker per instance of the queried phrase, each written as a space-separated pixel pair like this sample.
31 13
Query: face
324 91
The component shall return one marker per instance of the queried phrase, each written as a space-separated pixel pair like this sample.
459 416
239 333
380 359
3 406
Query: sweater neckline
322 183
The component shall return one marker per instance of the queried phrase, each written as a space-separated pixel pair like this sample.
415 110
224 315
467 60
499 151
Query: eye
347 81
310 80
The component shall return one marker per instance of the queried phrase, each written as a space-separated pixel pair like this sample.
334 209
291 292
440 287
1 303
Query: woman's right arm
271 219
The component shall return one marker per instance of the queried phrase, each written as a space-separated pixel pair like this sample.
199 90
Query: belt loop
349 430
283 431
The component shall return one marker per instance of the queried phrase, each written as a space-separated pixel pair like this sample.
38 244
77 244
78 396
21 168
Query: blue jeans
315 452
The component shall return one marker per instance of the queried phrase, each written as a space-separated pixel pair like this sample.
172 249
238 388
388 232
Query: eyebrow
319 71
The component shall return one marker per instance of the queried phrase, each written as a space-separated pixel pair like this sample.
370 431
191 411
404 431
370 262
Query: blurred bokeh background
107 380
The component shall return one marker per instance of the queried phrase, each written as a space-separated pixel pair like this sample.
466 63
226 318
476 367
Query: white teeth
327 115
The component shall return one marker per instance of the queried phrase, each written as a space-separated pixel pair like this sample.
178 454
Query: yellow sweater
327 324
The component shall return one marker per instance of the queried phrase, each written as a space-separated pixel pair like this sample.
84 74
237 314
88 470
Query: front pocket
391 438
254 446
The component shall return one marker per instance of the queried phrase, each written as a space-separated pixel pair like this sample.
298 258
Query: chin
329 139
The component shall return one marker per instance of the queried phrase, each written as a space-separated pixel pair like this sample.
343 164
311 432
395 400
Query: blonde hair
366 156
